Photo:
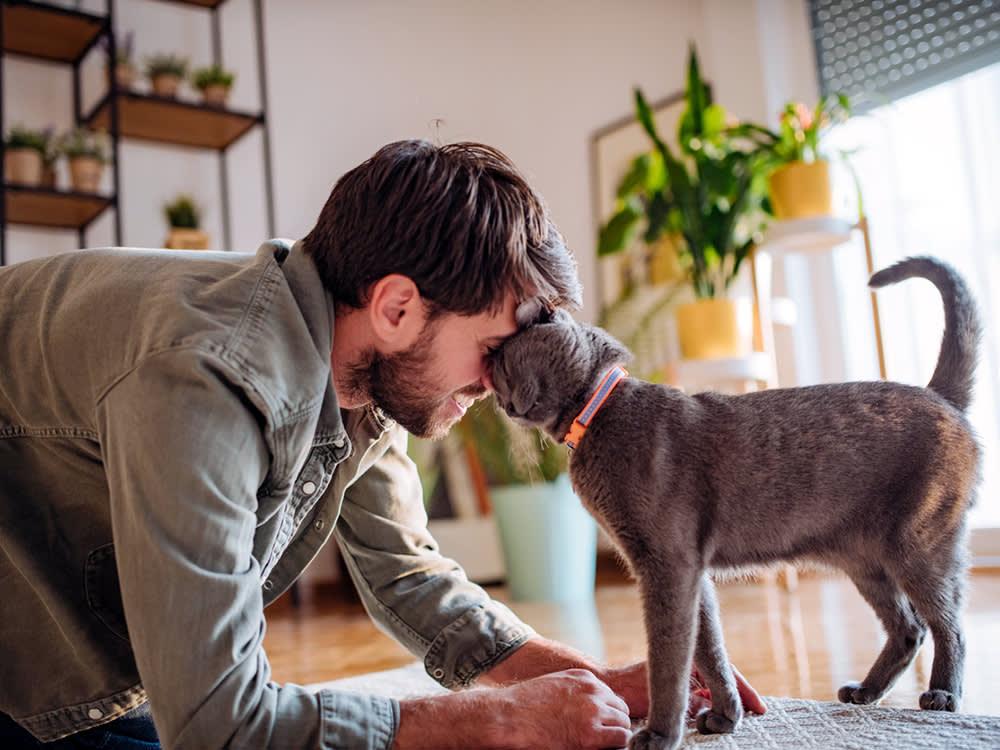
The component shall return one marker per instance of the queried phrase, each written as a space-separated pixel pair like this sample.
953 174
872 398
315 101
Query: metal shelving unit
51 33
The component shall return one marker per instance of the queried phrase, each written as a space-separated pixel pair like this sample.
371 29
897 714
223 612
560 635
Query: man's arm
185 454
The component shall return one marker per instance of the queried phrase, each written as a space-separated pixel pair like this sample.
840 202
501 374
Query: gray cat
873 478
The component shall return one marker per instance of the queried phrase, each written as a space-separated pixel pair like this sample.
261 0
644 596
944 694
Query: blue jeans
133 731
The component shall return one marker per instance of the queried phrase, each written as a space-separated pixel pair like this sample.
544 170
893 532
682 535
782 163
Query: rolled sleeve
185 452
419 597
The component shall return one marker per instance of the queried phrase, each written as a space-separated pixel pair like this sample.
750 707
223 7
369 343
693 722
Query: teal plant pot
549 541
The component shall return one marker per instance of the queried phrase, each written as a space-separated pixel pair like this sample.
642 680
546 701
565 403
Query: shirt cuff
482 637
352 721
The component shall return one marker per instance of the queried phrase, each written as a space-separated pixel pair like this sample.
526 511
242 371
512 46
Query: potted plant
549 540
24 151
184 219
800 184
165 72
709 198
49 157
124 68
87 154
214 83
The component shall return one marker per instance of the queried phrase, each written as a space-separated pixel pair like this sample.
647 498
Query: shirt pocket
104 596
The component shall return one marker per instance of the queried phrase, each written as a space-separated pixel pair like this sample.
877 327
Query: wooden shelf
174 121
197 3
44 207
48 32
815 235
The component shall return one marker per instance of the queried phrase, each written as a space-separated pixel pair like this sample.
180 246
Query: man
181 434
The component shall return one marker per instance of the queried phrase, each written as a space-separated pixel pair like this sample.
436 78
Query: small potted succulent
24 154
165 73
214 83
49 158
184 220
800 183
124 66
87 153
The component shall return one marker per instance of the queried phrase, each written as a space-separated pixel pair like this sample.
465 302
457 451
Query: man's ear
396 311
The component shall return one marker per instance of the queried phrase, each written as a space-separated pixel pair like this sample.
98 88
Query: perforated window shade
878 50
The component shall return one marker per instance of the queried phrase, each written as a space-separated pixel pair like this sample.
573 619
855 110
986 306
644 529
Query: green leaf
635 178
620 231
715 120
696 94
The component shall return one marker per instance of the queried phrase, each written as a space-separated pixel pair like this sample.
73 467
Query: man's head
434 246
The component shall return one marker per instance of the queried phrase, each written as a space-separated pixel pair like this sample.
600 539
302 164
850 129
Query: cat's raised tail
955 372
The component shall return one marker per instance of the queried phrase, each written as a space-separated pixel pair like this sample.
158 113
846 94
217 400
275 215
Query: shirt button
309 488
95 713
268 585
339 442
319 525
439 673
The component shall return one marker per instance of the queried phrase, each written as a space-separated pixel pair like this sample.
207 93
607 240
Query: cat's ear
561 316
532 312
523 397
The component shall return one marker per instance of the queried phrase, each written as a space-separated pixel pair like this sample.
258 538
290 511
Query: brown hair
458 219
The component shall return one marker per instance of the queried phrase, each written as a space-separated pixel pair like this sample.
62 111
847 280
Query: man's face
428 386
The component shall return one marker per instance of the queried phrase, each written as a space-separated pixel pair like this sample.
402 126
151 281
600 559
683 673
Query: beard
399 384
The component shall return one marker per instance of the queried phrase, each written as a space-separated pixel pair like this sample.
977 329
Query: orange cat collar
611 379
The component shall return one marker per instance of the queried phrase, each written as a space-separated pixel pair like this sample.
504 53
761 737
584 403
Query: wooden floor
804 643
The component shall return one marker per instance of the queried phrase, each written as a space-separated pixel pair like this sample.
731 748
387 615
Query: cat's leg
936 587
713 664
670 601
905 631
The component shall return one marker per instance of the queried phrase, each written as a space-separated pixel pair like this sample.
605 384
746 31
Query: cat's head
544 374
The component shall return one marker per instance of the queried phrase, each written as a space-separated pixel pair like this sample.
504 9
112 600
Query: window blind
876 51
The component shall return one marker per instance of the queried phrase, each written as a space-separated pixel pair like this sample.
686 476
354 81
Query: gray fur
873 478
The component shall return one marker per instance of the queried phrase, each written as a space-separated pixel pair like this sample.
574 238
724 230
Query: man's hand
571 709
631 684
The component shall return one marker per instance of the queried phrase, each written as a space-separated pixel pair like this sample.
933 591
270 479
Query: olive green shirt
172 456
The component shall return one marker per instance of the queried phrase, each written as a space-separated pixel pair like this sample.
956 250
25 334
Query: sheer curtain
929 167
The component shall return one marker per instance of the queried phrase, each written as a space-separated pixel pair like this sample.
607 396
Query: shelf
698 374
48 32
815 235
197 3
44 207
174 121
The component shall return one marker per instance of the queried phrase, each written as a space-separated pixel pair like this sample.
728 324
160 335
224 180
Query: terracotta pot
49 177
187 239
23 166
85 173
215 95
801 190
166 84
715 328
125 76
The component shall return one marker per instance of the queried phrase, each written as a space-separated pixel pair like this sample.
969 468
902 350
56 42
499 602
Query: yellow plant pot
664 262
215 95
166 85
85 174
187 239
801 190
715 328
23 166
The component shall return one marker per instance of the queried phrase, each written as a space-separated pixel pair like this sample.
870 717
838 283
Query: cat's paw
646 739
939 700
855 692
710 722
